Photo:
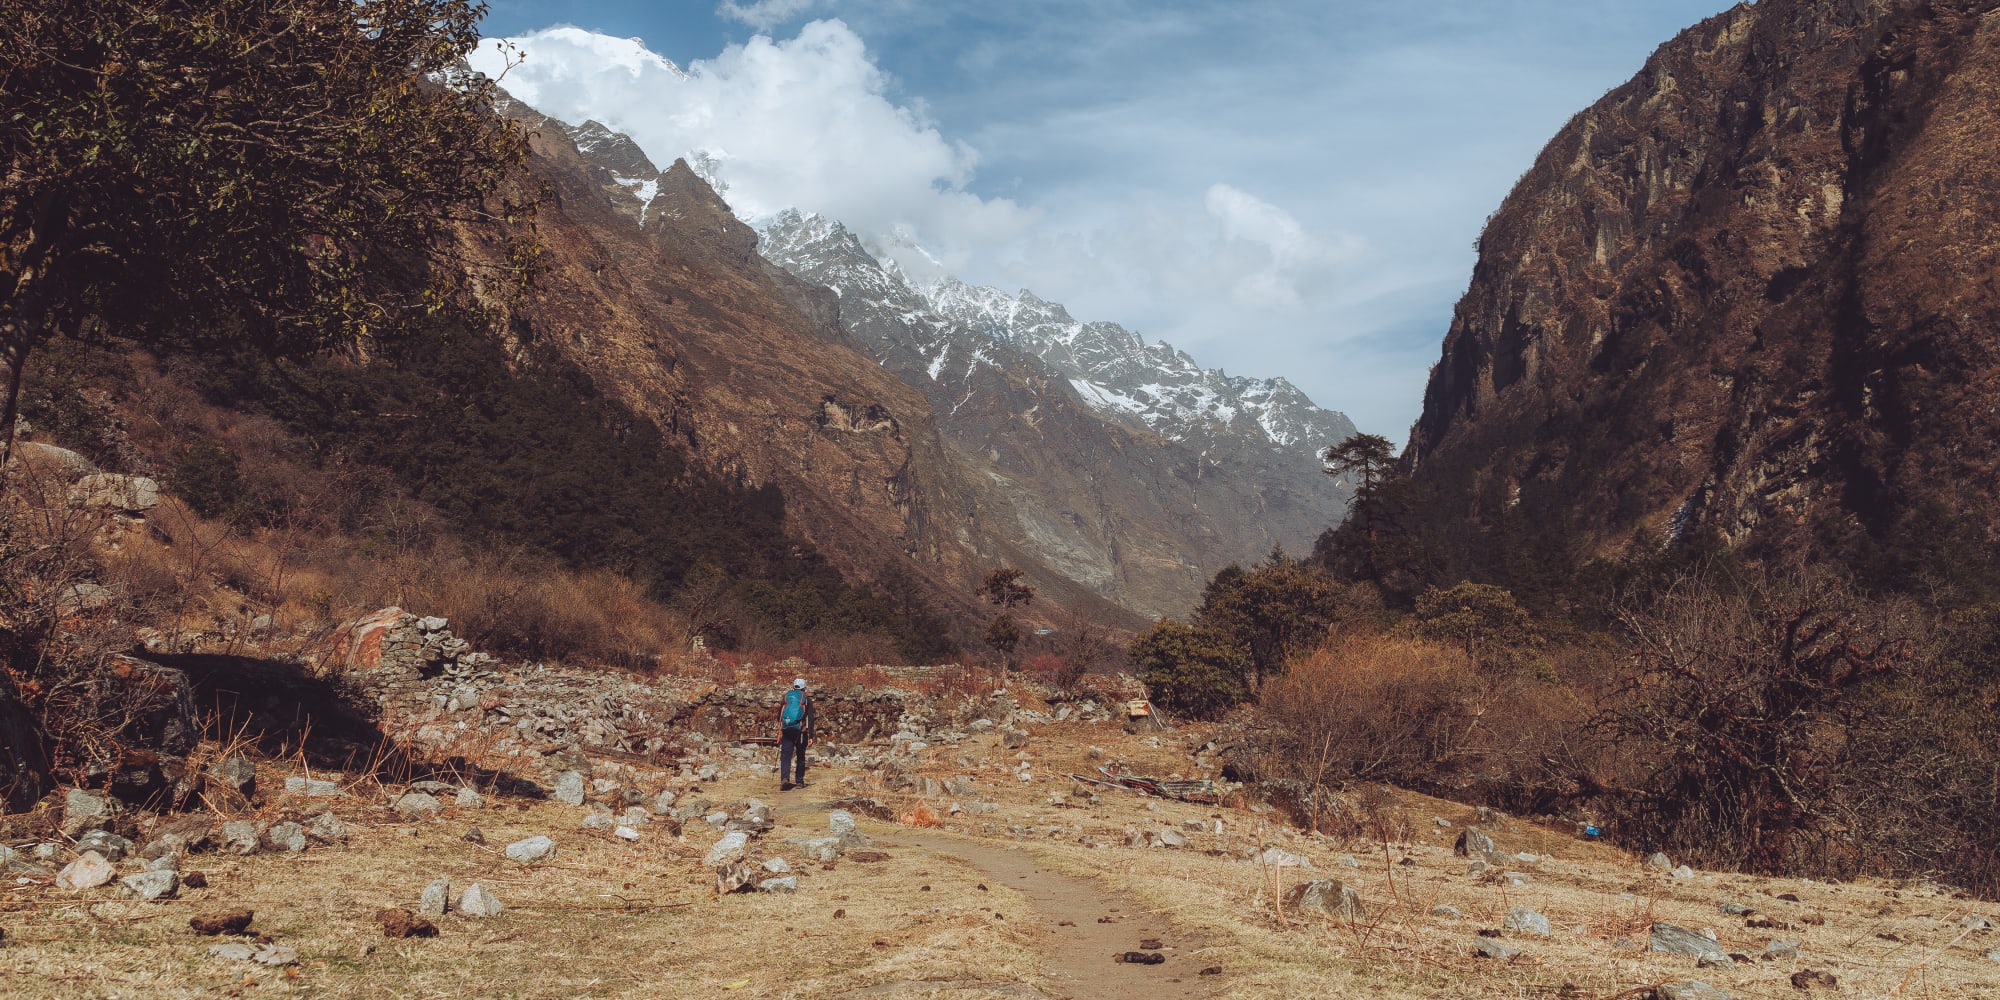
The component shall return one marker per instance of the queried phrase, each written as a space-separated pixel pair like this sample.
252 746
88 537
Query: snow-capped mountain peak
1111 369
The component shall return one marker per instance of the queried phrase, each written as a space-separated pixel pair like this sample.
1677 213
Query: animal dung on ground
401 923
225 922
1139 957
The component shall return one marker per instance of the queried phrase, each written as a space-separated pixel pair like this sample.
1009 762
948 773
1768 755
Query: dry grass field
1003 903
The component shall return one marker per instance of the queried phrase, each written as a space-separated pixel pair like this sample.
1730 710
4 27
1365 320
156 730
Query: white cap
800 684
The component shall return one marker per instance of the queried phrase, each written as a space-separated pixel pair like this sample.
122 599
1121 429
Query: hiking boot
784 786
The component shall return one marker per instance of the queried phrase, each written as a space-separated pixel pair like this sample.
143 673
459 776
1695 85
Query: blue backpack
795 709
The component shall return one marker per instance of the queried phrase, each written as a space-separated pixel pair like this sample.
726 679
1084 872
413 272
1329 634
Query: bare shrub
1796 726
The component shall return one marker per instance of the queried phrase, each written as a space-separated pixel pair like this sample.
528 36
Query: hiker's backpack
795 709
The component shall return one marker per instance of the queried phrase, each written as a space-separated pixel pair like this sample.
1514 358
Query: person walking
795 727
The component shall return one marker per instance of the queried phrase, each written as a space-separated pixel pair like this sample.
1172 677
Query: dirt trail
1084 925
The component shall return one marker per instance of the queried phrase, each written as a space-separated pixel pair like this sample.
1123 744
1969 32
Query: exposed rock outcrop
1749 291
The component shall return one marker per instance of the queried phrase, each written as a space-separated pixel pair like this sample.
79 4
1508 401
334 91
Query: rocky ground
943 850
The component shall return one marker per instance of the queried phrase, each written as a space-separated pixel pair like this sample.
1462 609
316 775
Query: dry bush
1377 707
1059 673
954 680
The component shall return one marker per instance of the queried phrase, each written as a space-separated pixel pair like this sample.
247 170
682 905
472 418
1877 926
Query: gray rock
111 491
469 799
288 837
598 822
1347 861
1473 843
663 804
327 829
733 876
1170 838
87 810
276 955
238 774
531 850
569 788
314 788
1526 921
636 816
1276 857
1489 948
1476 868
239 836
477 902
184 835
1774 950
1974 923
1735 909
418 805
151 885
730 848
788 883
778 866
78 597
1659 863
110 845
1681 941
1684 873
717 819
822 849
1014 739
233 952
435 899
840 821
625 833
1692 989
961 786
164 863
88 871
1993 955
1446 911
1328 896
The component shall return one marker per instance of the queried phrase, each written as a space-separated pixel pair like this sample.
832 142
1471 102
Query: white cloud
1284 256
806 122
764 14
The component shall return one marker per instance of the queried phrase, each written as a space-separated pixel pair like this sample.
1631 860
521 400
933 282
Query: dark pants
792 747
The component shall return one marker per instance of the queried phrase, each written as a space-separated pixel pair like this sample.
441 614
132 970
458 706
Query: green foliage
1249 624
1004 588
242 171
1003 634
1366 457
1481 619
1275 610
1190 670
205 475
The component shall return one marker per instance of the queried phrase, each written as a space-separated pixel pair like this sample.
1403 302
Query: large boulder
158 703
111 491
1327 896
24 763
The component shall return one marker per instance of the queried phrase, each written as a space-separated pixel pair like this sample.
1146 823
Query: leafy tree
1277 609
283 174
1004 588
1480 618
1003 634
1366 457
1190 670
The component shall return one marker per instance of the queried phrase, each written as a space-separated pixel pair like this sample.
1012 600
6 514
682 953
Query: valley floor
1030 898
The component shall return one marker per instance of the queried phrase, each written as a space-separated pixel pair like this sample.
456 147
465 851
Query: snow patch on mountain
1111 369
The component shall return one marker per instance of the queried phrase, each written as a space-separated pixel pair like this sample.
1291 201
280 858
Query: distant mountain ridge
1074 450
1112 369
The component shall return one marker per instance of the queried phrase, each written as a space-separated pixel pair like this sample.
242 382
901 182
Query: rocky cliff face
1120 464
1751 290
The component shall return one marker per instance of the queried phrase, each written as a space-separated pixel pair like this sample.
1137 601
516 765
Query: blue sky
1279 187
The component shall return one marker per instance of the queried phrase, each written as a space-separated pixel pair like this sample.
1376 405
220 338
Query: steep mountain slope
1123 465
679 319
1753 290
